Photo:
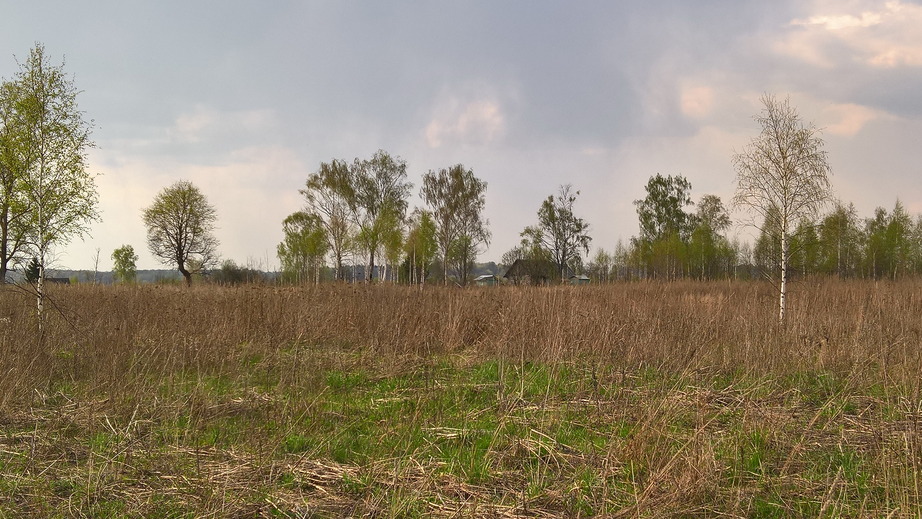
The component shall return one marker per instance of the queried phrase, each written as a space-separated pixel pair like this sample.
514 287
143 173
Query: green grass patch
526 436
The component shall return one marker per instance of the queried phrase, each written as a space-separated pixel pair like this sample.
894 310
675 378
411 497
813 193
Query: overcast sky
246 99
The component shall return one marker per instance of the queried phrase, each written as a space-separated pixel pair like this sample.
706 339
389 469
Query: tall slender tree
420 246
709 250
391 238
376 193
304 246
457 199
14 213
665 226
47 143
601 265
840 242
562 233
782 177
327 193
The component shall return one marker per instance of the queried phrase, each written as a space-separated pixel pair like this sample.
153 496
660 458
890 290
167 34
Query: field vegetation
683 399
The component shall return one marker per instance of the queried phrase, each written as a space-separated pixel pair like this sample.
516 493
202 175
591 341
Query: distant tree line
356 217
359 211
676 243
783 180
356 221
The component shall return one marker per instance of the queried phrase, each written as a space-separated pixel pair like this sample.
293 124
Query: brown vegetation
633 400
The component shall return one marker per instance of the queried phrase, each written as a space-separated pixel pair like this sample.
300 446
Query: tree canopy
457 198
180 228
327 193
782 177
124 262
560 232
377 194
47 194
302 250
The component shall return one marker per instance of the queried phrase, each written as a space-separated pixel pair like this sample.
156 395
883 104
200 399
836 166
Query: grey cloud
529 94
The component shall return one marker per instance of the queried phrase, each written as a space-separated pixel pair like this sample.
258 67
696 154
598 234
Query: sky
245 99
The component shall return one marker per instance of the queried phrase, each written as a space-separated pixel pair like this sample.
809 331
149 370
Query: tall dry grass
641 400
109 335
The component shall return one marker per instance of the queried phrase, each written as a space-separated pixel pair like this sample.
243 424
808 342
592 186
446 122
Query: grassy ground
682 400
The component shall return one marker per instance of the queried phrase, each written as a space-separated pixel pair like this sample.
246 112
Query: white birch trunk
40 295
784 275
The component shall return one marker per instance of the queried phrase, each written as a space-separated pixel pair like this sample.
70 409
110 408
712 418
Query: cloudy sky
246 99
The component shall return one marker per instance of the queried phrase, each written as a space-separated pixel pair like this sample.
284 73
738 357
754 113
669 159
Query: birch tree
124 264
840 241
391 238
457 199
563 234
709 250
327 195
601 266
782 177
50 139
665 227
377 194
301 252
420 246
13 210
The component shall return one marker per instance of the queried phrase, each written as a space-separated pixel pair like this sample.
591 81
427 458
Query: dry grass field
631 400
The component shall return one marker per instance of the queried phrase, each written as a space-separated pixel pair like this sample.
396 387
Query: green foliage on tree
560 232
601 266
305 244
662 211
124 264
457 199
60 193
892 247
48 196
14 214
461 256
376 193
420 247
180 229
33 271
530 247
783 177
327 193
840 242
710 254
665 227
805 249
391 238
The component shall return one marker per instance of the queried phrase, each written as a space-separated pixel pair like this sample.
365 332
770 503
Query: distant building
486 280
580 279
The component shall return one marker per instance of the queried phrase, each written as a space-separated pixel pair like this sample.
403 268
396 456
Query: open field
632 400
